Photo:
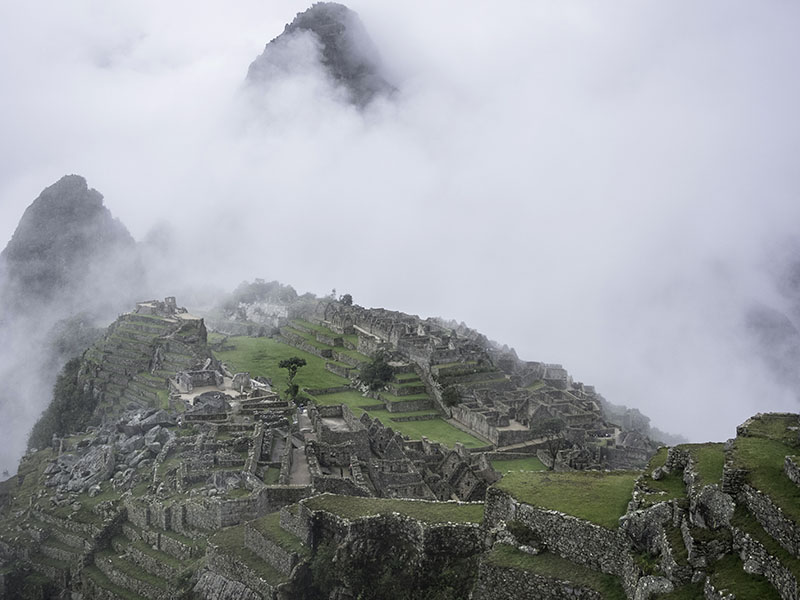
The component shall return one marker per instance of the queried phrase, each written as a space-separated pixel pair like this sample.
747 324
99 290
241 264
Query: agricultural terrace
530 463
762 450
600 497
261 357
554 567
351 507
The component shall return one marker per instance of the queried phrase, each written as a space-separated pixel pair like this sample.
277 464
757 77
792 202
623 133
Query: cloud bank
595 186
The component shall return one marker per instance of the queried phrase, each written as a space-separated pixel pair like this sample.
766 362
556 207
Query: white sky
593 184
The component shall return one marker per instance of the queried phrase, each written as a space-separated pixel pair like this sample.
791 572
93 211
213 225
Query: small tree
291 365
552 430
346 299
377 373
451 395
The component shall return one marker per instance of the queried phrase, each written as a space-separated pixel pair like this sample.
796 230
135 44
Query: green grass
352 399
261 356
748 523
272 476
531 463
314 327
412 397
775 427
598 497
437 430
675 539
351 507
764 459
709 459
728 574
230 541
132 570
270 526
554 567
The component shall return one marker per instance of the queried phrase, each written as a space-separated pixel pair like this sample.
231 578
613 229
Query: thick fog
602 186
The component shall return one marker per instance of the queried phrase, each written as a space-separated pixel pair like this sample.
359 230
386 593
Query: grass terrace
669 487
775 427
230 541
392 398
748 523
351 507
437 430
709 459
596 496
554 567
531 463
270 526
729 575
261 356
764 460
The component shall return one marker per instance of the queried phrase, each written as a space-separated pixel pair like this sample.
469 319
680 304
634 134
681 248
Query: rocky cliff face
337 40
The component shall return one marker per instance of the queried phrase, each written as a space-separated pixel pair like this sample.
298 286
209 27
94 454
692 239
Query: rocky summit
288 447
66 248
338 41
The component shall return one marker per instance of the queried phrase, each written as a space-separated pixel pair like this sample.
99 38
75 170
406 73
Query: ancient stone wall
792 469
756 559
577 540
268 550
503 583
782 529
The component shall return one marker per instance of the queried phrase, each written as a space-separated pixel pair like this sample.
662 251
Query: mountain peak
62 234
346 51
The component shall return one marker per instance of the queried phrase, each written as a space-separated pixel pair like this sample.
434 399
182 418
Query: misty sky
598 185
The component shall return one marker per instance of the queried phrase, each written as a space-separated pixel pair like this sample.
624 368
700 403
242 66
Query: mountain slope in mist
333 35
67 250
69 267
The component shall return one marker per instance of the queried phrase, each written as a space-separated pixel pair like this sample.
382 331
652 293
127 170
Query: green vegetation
230 541
728 574
555 567
351 507
669 487
709 460
292 364
531 463
70 410
748 523
259 291
764 460
775 427
270 526
262 357
599 497
376 373
437 430
552 430
451 395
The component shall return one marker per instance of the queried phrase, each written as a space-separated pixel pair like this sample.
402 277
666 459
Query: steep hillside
194 478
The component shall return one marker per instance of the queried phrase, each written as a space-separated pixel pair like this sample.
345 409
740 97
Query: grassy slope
519 464
599 497
432 512
555 567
